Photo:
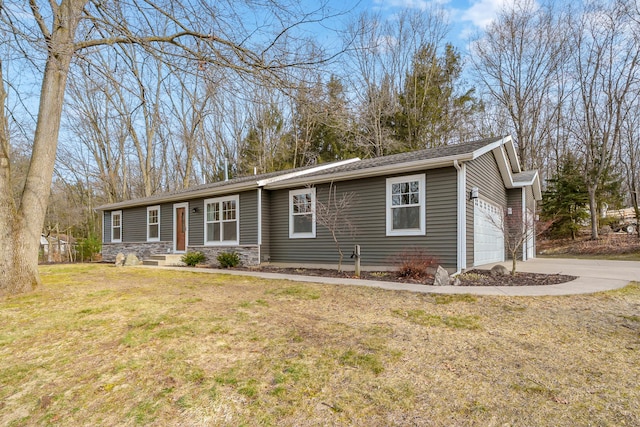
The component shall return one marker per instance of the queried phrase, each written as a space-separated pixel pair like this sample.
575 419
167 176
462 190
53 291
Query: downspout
525 224
259 225
462 216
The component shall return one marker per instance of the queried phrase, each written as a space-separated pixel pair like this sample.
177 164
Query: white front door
488 235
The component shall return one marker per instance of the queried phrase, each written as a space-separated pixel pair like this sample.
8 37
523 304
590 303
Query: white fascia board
537 188
286 176
513 155
534 183
490 147
205 192
374 171
507 176
512 160
503 166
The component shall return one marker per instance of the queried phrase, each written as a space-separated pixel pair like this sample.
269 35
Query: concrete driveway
593 276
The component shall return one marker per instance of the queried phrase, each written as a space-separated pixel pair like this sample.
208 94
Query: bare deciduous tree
334 216
606 56
518 58
55 34
381 59
629 158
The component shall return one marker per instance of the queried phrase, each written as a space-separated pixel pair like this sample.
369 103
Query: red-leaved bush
414 263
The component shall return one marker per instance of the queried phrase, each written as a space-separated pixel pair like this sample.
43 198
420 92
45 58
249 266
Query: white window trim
408 232
151 208
114 213
236 242
312 234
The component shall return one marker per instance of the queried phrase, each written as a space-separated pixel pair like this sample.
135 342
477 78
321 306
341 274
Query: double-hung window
302 213
221 222
116 226
406 205
153 223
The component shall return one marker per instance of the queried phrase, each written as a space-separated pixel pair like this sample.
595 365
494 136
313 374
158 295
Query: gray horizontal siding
484 174
514 198
249 218
106 218
265 253
134 224
134 221
166 222
368 213
442 224
196 221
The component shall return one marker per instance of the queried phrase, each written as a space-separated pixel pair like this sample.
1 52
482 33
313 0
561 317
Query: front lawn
99 345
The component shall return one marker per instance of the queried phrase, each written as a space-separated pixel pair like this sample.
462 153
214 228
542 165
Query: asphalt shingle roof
426 154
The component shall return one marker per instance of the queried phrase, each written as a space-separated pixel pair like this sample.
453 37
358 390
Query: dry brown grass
619 246
97 345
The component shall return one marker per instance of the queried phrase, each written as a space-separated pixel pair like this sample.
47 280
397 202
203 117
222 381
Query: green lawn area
99 345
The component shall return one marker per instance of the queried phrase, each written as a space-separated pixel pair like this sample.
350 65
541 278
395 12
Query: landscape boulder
499 270
132 259
441 278
120 258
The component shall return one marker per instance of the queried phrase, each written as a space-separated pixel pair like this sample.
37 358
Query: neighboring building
448 201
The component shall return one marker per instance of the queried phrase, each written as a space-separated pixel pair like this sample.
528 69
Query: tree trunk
21 227
16 276
593 210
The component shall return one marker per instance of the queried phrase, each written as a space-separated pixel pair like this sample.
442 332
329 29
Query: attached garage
488 239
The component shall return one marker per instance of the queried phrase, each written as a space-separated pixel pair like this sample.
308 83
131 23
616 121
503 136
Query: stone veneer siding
141 249
249 254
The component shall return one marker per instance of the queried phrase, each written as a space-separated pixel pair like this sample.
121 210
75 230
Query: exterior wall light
474 193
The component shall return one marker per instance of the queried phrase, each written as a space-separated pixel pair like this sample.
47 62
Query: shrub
414 264
193 258
89 247
229 259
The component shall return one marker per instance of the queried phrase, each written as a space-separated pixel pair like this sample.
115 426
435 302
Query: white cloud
483 12
409 4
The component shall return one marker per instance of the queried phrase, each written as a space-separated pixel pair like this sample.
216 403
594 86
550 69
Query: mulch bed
484 278
469 278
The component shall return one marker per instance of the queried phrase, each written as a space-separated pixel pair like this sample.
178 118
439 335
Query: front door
181 228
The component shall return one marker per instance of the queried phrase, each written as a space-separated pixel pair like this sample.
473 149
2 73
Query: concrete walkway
593 276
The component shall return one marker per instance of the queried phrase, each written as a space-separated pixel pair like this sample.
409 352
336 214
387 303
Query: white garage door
488 236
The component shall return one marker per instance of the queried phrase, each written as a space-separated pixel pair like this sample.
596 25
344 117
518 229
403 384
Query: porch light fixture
195 210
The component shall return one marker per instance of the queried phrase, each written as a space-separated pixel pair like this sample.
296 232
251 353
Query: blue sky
465 16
